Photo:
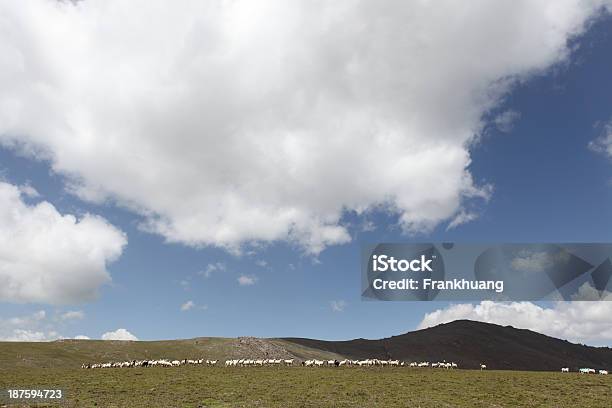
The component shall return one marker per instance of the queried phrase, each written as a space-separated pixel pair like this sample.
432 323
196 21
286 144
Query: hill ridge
467 342
472 343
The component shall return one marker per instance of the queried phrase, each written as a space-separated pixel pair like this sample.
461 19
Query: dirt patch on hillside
253 347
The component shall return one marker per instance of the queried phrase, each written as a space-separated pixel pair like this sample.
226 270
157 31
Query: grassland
195 386
57 365
73 353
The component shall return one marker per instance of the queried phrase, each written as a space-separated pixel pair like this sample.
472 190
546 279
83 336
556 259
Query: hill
467 342
470 343
72 353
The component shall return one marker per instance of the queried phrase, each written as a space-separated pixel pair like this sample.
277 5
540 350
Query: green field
73 353
57 365
197 386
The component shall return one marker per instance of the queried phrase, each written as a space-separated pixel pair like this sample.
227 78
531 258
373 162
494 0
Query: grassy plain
196 386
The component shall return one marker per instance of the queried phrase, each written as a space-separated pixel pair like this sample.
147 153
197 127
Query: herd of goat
149 363
251 362
585 371
376 362
246 362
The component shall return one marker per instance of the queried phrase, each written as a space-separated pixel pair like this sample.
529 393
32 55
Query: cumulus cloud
368 226
48 257
603 144
247 280
27 335
587 292
461 218
37 326
190 304
31 327
82 337
29 319
585 322
527 261
187 306
28 191
337 305
225 123
119 334
505 120
212 268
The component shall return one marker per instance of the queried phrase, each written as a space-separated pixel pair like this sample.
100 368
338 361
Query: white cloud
36 326
603 144
32 327
527 261
586 292
462 217
72 315
586 322
48 257
187 306
505 120
29 319
338 305
247 280
190 304
212 268
28 191
261 263
27 335
368 226
119 334
224 123
82 337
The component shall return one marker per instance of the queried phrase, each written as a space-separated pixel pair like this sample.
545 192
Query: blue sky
544 176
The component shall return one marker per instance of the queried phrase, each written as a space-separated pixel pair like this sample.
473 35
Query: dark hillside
470 343
466 342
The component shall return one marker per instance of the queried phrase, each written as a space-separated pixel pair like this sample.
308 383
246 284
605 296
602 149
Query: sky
214 169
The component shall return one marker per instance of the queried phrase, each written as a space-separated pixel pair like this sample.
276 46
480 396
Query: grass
196 386
72 353
57 365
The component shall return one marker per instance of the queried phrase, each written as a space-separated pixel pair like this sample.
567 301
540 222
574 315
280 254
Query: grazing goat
250 362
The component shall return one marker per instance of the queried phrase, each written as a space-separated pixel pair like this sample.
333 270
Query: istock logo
383 263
